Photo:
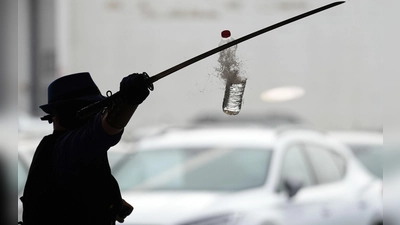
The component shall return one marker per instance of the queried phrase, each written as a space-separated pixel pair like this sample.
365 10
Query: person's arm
83 145
114 121
134 91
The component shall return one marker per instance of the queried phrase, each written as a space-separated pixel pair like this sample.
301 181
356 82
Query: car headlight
226 219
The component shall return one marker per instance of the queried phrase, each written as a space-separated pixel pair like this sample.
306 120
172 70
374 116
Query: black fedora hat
69 88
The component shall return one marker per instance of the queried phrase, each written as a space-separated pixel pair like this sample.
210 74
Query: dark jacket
70 181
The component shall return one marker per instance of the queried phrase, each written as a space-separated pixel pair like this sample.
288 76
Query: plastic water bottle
230 72
233 97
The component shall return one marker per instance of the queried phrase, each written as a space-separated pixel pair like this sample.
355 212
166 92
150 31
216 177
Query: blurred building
334 57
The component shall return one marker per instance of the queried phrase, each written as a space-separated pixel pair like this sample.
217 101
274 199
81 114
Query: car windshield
208 169
371 156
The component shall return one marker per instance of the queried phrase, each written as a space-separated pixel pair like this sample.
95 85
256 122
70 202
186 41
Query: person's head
67 95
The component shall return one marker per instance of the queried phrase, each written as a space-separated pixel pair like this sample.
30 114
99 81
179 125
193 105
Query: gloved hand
126 210
134 89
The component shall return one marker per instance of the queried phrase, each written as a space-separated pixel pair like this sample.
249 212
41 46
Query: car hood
162 208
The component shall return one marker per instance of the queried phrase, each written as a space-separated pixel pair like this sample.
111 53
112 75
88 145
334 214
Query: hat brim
51 107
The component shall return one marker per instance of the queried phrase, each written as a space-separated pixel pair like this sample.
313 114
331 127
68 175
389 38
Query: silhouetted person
70 180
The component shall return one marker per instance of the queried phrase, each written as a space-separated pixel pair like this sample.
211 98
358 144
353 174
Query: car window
325 163
115 157
371 156
296 166
214 169
340 162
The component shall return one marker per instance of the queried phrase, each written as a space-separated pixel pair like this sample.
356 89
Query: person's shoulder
53 136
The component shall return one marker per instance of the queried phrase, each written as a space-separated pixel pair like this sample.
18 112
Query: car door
303 208
336 198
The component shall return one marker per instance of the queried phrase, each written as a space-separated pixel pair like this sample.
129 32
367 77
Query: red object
225 34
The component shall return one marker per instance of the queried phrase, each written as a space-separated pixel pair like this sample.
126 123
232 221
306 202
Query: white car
245 176
367 146
391 196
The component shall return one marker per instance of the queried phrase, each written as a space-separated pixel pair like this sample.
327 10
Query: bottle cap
225 33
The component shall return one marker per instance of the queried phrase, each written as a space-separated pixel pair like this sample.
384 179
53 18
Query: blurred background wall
335 56
8 109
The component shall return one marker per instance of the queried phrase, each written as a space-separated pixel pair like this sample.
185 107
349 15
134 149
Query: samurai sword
97 106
